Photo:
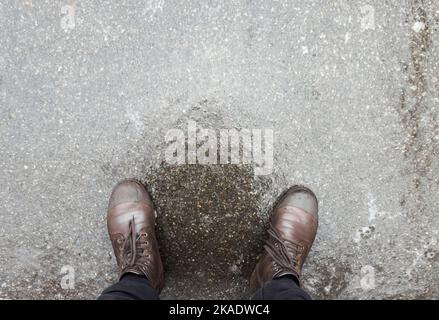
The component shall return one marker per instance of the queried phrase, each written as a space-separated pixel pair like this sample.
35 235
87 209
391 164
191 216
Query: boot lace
135 247
277 247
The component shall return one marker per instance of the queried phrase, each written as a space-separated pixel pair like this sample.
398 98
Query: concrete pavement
89 90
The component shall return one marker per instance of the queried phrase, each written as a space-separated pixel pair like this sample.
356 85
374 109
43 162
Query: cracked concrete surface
88 90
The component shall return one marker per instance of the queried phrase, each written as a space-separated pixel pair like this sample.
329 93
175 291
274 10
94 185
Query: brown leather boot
292 232
131 223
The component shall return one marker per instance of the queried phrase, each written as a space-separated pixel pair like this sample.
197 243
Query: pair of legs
131 226
136 287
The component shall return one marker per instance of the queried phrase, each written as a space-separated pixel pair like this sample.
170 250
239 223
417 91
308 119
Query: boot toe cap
129 190
300 197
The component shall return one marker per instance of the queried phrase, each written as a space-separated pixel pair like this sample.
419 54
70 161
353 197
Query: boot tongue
130 244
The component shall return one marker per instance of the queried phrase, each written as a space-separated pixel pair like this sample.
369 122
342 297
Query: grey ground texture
89 89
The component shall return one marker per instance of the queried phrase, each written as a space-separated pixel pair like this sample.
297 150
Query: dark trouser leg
130 287
283 288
